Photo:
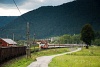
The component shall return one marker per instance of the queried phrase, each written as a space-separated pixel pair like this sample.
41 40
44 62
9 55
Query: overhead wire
19 10
21 13
17 6
1 29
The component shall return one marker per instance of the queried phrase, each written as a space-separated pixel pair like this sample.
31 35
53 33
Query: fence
10 52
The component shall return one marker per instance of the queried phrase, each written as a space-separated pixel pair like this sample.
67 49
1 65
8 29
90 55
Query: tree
87 35
96 42
97 35
65 39
76 39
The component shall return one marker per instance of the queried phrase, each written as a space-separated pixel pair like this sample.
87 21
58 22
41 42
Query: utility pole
7 36
34 42
28 51
13 38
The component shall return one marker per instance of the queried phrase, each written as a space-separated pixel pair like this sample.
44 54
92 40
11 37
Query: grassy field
84 58
24 62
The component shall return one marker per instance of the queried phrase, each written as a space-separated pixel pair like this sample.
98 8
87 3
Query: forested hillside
49 21
6 19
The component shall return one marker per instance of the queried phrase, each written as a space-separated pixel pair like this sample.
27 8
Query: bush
96 42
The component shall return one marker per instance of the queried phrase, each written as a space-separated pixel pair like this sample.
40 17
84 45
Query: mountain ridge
50 21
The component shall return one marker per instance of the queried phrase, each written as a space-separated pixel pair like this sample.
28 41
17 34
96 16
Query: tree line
67 39
87 36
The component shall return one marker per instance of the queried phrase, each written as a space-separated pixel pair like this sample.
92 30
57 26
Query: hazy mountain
48 21
6 19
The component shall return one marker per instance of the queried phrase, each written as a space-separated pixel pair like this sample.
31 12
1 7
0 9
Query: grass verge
24 62
84 58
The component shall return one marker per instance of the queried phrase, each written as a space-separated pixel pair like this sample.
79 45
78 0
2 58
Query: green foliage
68 39
56 40
76 39
93 51
65 39
96 42
87 34
20 42
50 21
75 61
24 62
18 62
97 35
97 39
6 19
83 58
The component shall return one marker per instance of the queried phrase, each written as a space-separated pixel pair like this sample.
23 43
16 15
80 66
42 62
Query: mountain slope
57 20
6 19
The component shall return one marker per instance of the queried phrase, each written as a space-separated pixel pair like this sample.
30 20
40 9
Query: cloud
11 1
34 4
27 5
11 12
9 4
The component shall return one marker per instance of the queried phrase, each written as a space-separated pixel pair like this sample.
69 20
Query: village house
4 42
42 44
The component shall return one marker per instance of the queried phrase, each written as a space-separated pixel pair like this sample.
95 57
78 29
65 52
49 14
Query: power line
17 6
19 10
28 44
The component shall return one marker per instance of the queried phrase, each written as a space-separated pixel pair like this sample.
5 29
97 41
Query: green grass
17 62
76 61
84 58
24 62
92 51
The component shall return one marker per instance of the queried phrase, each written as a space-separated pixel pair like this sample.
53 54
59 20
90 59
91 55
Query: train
7 53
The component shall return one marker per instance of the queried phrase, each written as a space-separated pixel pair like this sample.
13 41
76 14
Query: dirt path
45 60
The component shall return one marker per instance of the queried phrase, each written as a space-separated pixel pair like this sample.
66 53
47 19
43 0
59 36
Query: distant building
4 42
43 44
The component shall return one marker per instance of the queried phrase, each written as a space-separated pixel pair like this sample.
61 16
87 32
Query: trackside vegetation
24 62
75 39
84 58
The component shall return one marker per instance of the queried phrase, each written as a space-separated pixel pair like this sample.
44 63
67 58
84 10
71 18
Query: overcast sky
8 8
